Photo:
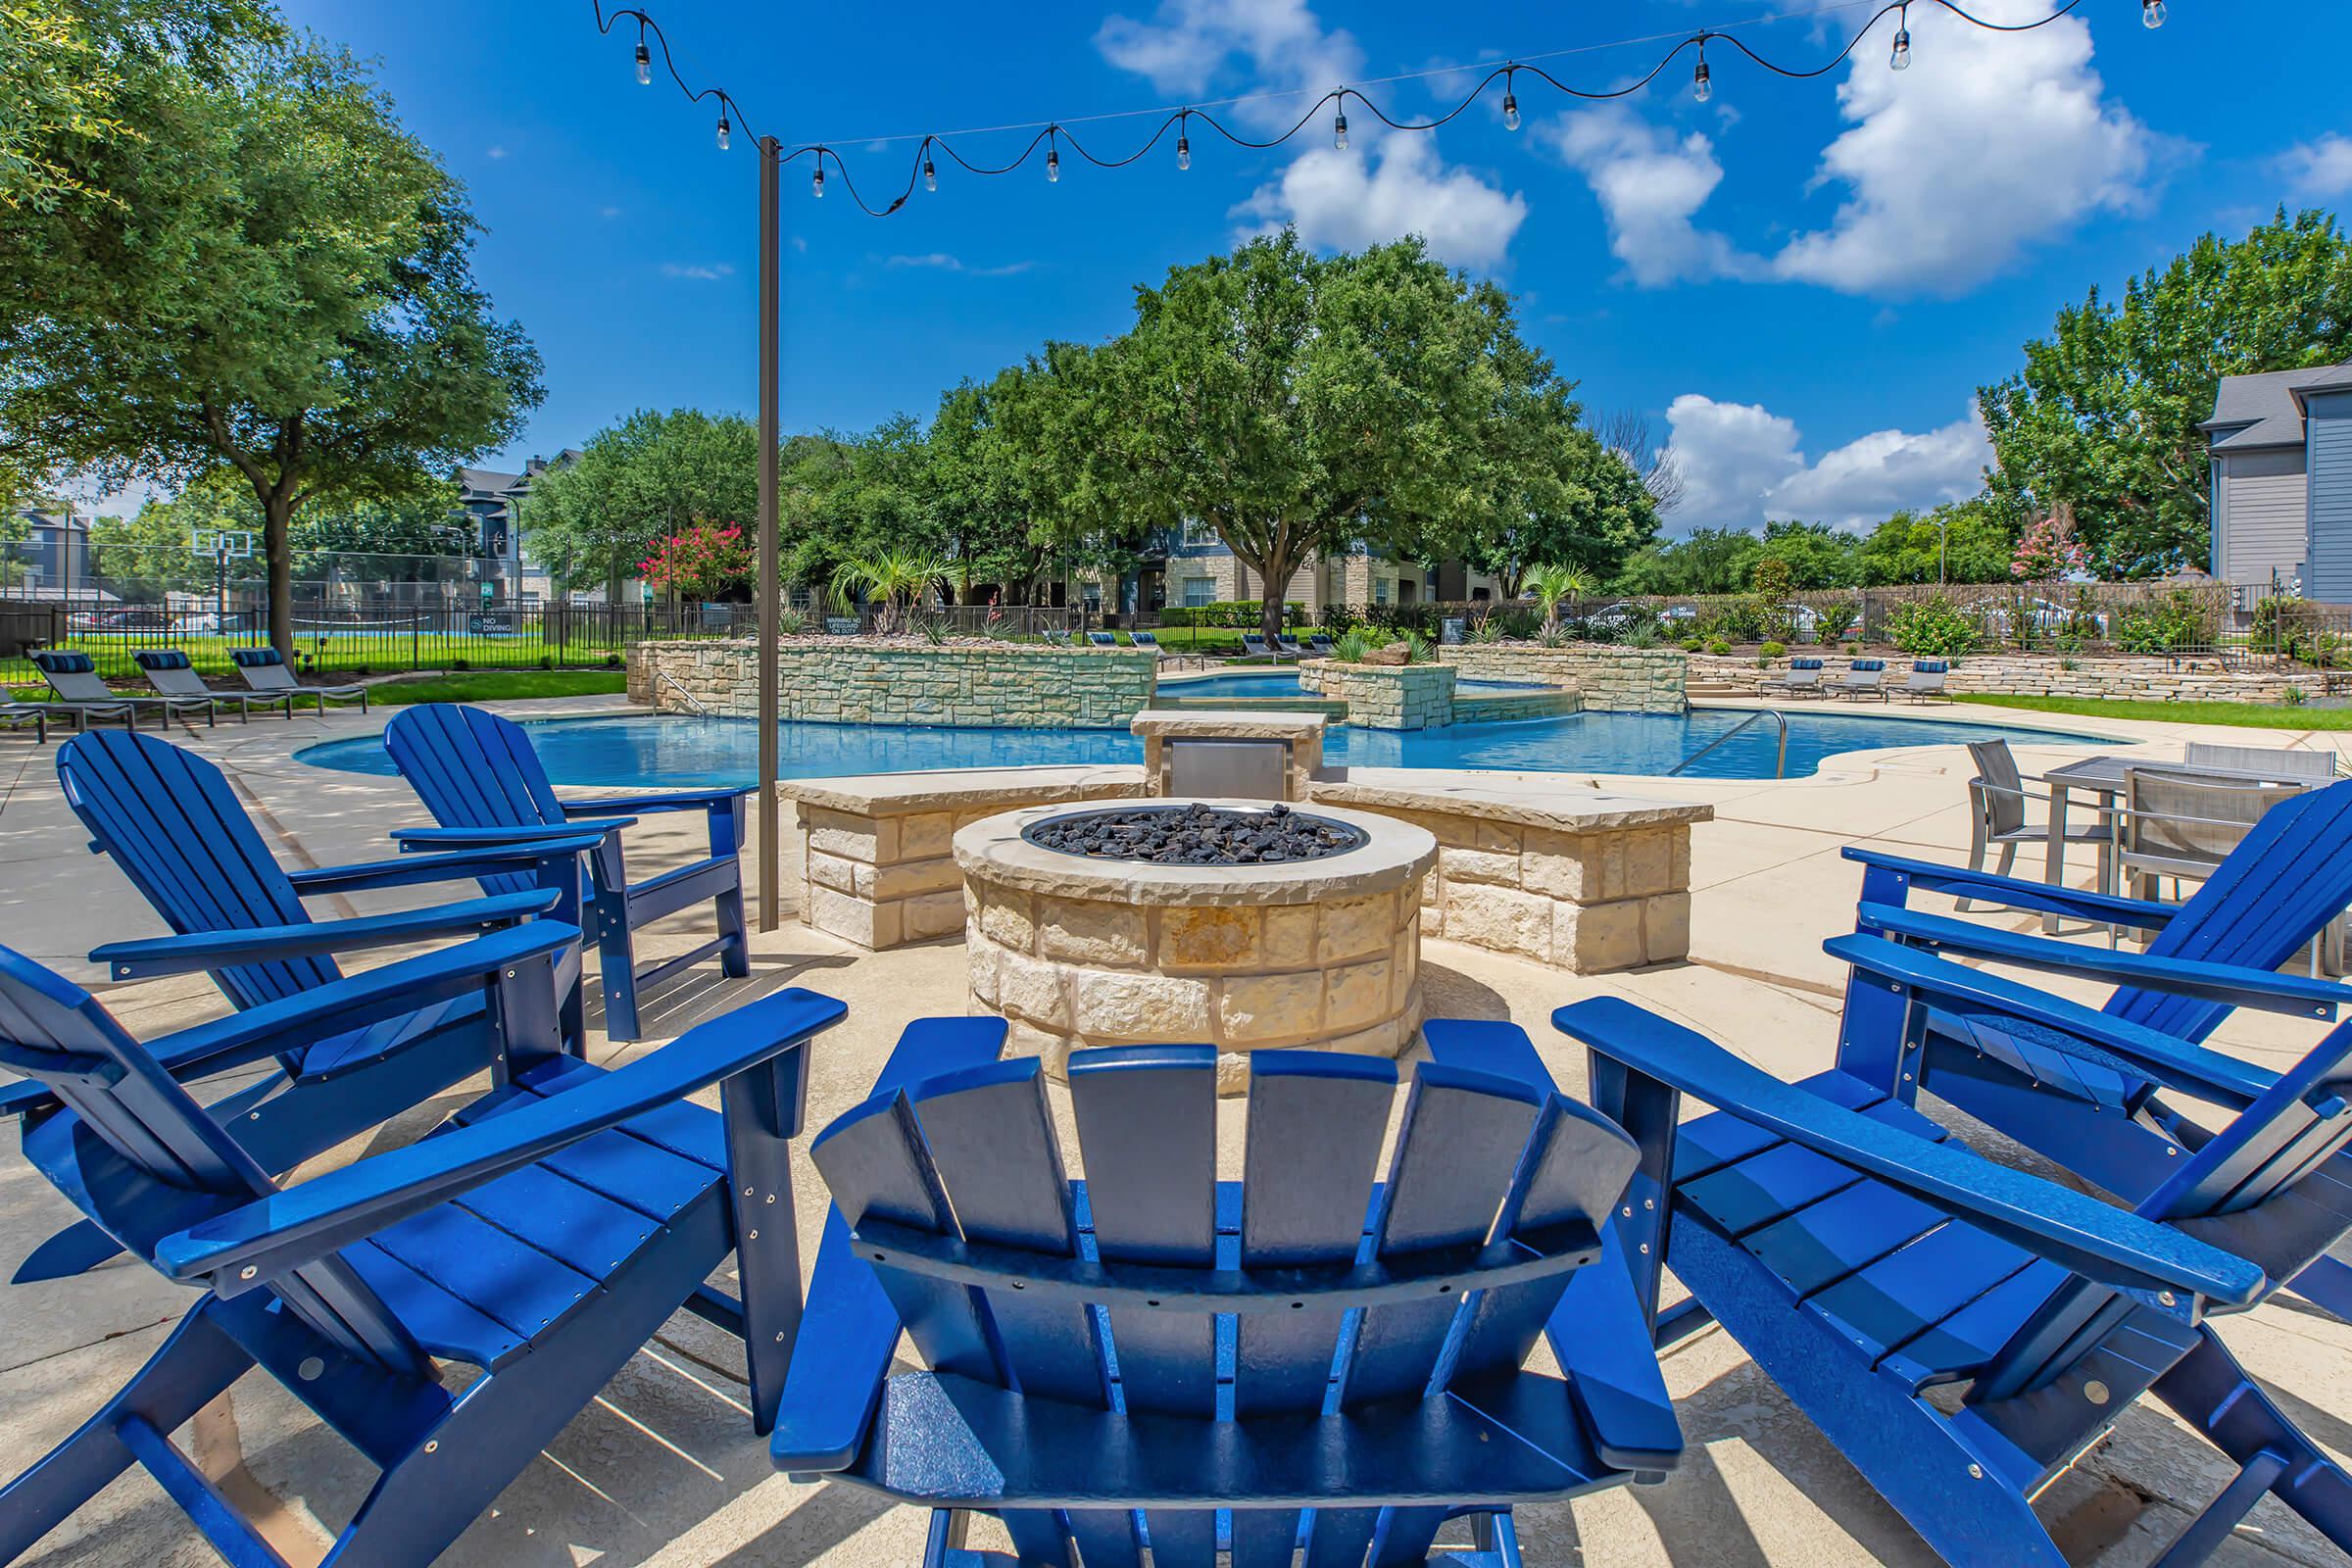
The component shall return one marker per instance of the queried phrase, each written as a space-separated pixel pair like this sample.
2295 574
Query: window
1197 533
1199 591
1380 590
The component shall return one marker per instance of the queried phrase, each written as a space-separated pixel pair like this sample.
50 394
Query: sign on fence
841 625
493 624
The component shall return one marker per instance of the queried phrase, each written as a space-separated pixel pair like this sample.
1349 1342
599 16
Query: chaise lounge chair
1162 652
267 673
542 1236
74 677
1101 639
172 675
1802 678
1925 681
482 782
1255 647
1074 1332
1291 646
16 716
1864 677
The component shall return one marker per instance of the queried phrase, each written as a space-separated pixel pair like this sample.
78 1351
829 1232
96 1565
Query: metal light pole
771 859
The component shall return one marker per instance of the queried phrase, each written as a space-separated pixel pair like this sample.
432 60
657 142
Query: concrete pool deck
662 1468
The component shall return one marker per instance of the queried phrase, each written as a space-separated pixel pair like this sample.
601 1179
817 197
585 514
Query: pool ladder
663 677
1779 764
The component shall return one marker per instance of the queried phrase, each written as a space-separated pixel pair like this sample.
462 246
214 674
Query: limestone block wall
1386 696
1489 707
994 685
1612 679
2146 677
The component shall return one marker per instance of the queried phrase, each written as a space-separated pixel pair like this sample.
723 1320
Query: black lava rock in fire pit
1195 835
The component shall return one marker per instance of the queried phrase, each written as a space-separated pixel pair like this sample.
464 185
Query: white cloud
1946 171
1346 201
1650 186
1382 188
608 212
2322 168
697 272
498 152
1989 143
1743 465
946 263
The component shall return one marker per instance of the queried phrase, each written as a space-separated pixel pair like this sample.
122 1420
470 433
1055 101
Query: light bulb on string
930 173
816 182
1510 110
1701 87
1184 150
2151 13
1901 60
1339 130
645 64
1053 161
723 131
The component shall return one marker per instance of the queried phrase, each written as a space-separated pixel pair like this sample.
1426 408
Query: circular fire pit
1078 945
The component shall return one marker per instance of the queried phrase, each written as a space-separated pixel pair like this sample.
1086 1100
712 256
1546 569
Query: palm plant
893 581
1552 585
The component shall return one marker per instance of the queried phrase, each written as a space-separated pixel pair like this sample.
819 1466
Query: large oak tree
271 275
1301 404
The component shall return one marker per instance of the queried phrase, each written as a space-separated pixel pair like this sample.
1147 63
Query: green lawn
2245 714
500 686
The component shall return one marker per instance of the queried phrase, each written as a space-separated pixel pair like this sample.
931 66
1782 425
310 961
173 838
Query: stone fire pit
1079 950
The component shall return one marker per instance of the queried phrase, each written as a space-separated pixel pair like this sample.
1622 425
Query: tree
147 556
1628 433
1297 405
635 484
1568 498
1552 585
274 275
2103 415
1709 560
702 561
1965 540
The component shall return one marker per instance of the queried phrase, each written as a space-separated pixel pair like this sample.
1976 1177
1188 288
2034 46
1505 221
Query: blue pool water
1285 683
648 750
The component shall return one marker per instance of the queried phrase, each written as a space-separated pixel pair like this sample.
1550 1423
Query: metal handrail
664 676
1780 766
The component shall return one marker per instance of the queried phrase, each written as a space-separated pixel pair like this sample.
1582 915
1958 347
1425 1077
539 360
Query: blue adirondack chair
478 776
2071 1100
1863 1256
169 820
542 1235
1372 1384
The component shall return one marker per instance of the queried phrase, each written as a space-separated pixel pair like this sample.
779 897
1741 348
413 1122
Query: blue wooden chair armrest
247 1246
455 867
2266 989
217 949
411 839
2102 1243
719 798
2025 894
2166 1058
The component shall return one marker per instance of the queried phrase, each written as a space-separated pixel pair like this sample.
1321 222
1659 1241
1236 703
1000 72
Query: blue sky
1800 282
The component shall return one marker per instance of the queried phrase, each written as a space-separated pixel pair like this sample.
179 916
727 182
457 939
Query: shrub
1930 627
1644 635
1241 614
1489 630
1691 645
1719 648
1353 645
613 661
460 663
790 622
2178 621
546 660
1519 623
1742 620
2293 696
1770 652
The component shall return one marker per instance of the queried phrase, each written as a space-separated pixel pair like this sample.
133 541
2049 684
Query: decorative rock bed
1080 950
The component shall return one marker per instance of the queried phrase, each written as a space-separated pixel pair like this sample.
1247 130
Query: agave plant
1353 645
894 580
1552 586
790 622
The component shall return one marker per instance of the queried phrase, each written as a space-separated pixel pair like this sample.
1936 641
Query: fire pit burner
1195 835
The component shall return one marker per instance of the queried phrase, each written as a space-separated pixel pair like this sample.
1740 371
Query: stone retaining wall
1494 707
2140 676
1386 696
837 681
1612 679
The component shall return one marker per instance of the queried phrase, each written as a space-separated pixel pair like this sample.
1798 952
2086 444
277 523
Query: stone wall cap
948 788
1394 854
1227 723
1531 800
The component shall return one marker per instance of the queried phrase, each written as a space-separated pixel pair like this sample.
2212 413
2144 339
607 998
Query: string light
1052 134
2151 14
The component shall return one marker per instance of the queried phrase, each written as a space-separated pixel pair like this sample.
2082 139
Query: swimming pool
654 749
1287 683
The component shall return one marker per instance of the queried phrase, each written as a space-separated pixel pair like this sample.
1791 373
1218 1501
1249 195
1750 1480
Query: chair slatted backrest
171 673
1873 667
1926 674
2286 879
74 677
2004 805
2265 761
264 670
473 769
1807 668
144 1160
168 819
1483 1168
2192 819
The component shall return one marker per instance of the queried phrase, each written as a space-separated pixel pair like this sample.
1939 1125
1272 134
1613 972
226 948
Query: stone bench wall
1386 696
1612 679
2140 676
838 681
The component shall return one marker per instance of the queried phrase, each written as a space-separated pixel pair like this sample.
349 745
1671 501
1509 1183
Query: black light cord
1052 136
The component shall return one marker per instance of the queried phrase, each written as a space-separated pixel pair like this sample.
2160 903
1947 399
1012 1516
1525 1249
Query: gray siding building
2282 446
